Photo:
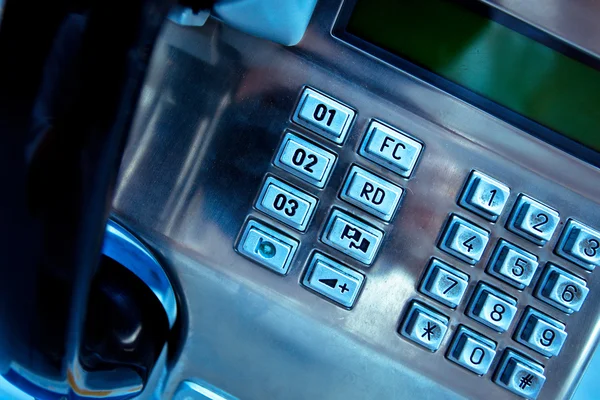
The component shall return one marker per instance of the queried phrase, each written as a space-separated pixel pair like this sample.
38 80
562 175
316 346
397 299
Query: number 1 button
484 196
464 240
324 115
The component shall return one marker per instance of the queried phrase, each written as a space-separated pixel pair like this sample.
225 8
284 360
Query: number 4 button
464 240
444 283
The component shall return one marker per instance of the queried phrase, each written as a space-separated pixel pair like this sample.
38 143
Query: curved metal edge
123 247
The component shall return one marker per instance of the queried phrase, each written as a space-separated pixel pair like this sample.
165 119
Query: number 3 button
464 240
492 307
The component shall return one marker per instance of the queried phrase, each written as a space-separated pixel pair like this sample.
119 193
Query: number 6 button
561 289
491 307
464 240
580 244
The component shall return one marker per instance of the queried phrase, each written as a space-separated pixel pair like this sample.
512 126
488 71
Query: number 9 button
541 333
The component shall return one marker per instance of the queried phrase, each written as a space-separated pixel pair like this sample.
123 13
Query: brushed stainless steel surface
215 107
574 21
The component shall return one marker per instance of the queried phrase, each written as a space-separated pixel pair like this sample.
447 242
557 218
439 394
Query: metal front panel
213 114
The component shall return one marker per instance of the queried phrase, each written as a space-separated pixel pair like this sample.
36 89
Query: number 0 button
492 307
464 240
285 203
471 350
324 115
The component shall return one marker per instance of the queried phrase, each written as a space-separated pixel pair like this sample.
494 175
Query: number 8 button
492 307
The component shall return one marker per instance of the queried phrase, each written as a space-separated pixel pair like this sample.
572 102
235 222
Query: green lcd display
489 59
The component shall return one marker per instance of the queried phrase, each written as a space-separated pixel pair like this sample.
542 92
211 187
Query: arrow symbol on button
332 283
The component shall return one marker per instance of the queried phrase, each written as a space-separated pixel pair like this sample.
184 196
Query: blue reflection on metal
126 249
199 390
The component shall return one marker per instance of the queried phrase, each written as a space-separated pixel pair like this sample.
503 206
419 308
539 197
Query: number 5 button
464 240
492 307
444 283
561 289
580 244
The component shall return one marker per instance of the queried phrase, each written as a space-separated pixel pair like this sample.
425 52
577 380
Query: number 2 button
533 220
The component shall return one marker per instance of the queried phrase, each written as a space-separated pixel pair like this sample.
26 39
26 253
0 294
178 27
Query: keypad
391 148
484 196
371 193
304 159
580 244
472 350
324 115
424 326
533 220
333 280
520 375
286 203
512 264
267 246
311 164
561 289
352 237
492 307
444 283
464 240
541 333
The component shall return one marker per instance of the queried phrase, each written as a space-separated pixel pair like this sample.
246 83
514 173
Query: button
352 237
304 159
520 375
492 307
371 193
541 333
512 264
285 203
444 283
484 196
533 220
390 148
580 244
333 280
472 350
424 326
464 240
322 114
561 289
268 247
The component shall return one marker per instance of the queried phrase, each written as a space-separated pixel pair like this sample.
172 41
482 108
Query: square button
580 244
304 159
267 246
464 240
390 148
512 264
324 115
561 289
286 203
352 237
424 326
520 375
472 350
492 307
533 220
371 193
333 280
444 283
484 196
541 333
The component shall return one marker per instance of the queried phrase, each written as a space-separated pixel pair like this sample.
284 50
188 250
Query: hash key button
520 375
424 326
333 280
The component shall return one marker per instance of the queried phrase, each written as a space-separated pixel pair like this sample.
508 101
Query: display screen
488 58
